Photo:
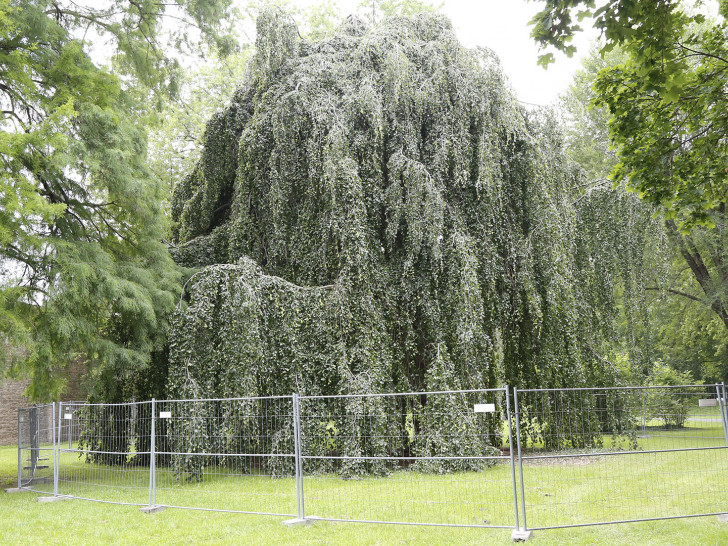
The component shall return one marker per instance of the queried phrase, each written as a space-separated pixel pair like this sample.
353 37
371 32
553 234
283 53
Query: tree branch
673 291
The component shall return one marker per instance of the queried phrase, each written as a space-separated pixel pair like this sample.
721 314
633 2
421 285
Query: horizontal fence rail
494 458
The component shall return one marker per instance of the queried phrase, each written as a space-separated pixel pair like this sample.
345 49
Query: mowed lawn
558 492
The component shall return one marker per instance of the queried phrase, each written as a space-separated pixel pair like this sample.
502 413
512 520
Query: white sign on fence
68 416
165 414
484 408
707 402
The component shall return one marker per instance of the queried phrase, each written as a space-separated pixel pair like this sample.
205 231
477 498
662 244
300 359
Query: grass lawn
560 491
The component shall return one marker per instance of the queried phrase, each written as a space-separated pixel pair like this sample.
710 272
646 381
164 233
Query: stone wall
11 398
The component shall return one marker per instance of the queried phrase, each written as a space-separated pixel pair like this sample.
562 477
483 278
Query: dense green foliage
392 220
84 271
672 410
666 101
679 316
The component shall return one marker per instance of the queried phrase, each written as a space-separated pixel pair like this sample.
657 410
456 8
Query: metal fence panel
428 458
601 455
233 455
104 451
36 448
586 456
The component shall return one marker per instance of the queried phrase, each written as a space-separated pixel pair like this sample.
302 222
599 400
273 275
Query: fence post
153 459
523 533
513 463
57 448
20 449
297 451
69 427
725 406
152 507
53 441
720 389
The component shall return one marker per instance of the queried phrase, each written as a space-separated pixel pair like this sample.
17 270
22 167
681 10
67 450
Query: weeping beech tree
375 212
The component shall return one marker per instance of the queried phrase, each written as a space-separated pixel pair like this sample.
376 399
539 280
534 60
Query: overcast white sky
502 25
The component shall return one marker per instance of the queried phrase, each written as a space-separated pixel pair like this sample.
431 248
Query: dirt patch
581 460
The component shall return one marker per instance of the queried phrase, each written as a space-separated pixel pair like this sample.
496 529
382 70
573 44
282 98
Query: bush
669 405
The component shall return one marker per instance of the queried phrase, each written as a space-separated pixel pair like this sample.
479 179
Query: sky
502 25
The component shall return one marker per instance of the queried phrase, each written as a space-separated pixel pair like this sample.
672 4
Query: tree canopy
84 270
666 101
659 88
375 211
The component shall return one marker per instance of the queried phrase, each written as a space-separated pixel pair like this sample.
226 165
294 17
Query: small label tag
484 408
707 402
165 414
68 416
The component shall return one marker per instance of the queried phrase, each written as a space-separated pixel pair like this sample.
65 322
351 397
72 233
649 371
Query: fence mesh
601 455
426 458
230 455
107 458
569 457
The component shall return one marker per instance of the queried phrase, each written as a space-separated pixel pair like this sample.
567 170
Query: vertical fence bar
719 391
520 458
152 461
70 429
297 451
20 449
57 449
55 446
513 463
725 406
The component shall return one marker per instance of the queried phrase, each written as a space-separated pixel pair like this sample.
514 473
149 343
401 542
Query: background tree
672 318
84 269
666 101
176 141
374 10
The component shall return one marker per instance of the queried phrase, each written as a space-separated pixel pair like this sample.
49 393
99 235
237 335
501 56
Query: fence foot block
521 535
723 518
53 499
17 490
153 509
299 521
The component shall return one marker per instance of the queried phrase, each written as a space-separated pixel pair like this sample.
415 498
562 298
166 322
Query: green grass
561 492
705 411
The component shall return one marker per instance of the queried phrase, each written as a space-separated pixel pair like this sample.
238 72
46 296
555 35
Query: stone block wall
12 398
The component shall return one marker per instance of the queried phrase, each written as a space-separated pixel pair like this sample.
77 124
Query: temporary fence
631 454
36 448
503 458
437 458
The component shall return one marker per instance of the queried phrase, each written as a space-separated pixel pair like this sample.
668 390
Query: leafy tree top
376 211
